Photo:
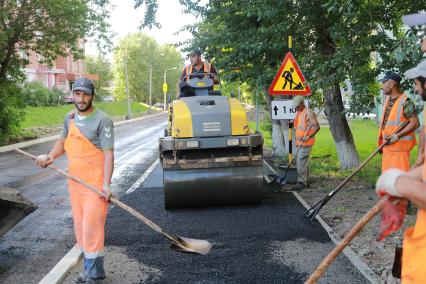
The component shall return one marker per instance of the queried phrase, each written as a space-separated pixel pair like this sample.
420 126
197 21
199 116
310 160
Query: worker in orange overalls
398 183
304 123
411 186
397 108
196 69
88 141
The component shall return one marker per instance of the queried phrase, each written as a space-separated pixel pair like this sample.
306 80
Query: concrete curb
61 269
8 148
348 251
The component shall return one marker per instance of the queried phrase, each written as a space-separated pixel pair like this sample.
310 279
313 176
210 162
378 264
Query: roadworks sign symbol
289 79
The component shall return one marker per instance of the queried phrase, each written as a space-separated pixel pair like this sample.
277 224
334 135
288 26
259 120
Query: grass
324 159
54 115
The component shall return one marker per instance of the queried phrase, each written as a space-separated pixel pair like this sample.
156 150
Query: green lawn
54 116
324 159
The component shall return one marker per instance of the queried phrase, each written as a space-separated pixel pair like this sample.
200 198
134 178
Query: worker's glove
106 192
44 160
392 138
393 214
386 183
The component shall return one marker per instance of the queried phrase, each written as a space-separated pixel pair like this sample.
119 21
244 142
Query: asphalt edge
9 148
348 251
61 269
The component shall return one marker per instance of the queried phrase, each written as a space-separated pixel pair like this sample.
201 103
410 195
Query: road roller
208 154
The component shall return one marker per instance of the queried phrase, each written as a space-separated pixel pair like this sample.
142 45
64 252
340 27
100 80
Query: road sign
289 79
284 109
165 88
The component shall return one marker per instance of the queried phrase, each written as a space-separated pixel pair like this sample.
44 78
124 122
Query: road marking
62 268
143 177
348 251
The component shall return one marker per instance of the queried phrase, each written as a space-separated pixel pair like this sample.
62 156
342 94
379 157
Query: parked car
158 105
108 99
68 98
361 115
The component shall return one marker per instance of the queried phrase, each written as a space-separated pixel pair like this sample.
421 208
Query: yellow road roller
208 155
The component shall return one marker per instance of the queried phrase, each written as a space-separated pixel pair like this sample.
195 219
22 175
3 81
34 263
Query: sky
125 19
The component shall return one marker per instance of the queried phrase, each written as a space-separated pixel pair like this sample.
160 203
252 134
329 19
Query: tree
141 52
334 41
48 28
101 66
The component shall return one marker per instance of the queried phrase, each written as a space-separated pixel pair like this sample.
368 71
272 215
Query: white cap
414 19
418 71
297 100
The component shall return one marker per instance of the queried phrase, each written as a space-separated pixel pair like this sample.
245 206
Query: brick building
62 74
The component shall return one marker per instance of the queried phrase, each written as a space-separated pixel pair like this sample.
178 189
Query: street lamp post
165 87
128 116
150 87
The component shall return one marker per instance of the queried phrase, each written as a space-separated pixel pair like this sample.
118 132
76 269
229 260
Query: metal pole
257 111
164 92
129 114
239 92
150 86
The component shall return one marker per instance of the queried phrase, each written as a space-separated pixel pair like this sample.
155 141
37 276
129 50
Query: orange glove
393 214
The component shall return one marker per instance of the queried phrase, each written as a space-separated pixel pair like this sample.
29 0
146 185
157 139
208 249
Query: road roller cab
208 154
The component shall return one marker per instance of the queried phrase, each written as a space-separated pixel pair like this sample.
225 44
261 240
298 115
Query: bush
35 94
11 110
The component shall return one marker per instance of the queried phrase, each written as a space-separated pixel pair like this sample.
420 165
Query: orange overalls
414 248
396 155
301 128
88 210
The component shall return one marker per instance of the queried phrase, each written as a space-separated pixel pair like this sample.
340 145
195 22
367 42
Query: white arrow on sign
284 109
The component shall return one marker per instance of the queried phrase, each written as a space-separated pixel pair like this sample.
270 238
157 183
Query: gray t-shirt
96 127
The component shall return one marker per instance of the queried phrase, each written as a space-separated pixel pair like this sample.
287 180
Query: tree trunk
277 134
339 127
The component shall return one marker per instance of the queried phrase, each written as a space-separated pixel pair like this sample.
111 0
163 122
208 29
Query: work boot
299 186
81 278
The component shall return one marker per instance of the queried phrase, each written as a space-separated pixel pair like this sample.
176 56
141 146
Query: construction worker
397 108
196 66
306 125
88 141
412 186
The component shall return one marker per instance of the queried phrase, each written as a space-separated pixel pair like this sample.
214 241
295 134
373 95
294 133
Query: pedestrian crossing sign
289 79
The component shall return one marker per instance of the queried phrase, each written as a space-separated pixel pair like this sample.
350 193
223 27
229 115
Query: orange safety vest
302 127
395 119
89 211
189 68
414 248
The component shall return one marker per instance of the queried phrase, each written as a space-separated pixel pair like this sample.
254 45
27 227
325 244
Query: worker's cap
84 85
418 71
391 76
297 100
414 19
195 52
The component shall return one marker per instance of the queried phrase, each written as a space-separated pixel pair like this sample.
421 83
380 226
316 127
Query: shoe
300 186
81 278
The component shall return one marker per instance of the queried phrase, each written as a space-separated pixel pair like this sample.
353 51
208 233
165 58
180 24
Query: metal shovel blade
188 245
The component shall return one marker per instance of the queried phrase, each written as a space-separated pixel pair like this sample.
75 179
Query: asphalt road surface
269 243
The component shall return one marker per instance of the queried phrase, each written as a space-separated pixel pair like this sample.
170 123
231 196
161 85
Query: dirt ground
345 209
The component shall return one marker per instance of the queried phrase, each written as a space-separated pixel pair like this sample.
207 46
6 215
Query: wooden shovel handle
346 240
114 200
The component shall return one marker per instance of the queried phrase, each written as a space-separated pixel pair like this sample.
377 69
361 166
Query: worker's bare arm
417 173
312 120
412 189
411 126
58 149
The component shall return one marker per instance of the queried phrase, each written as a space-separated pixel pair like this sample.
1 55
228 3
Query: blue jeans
94 267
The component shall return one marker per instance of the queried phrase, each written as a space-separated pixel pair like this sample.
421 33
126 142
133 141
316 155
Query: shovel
313 211
180 244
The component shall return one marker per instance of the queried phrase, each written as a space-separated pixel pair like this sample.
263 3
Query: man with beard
88 141
397 109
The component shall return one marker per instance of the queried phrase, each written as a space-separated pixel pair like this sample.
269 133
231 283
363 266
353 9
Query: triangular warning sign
289 79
